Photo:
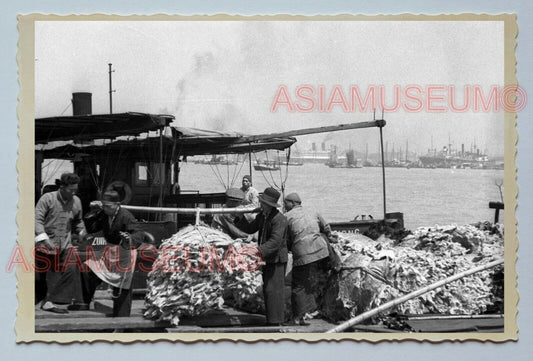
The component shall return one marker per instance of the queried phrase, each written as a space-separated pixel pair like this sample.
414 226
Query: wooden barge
229 320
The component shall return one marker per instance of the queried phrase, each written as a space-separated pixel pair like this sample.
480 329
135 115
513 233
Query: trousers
57 279
273 285
122 298
304 287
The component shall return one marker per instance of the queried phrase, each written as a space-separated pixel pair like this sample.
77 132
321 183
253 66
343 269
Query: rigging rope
270 172
50 174
235 173
262 173
227 168
283 179
68 106
217 174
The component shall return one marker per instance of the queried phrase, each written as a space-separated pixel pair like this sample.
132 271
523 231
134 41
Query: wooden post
496 206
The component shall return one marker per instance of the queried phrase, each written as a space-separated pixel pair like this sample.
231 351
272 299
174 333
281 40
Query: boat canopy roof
179 142
103 126
192 141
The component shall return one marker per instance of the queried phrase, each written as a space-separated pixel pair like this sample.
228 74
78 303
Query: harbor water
426 196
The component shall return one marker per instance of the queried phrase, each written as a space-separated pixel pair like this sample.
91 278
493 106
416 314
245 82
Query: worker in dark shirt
272 245
116 265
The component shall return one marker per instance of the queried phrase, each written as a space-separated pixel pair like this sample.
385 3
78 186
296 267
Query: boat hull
265 167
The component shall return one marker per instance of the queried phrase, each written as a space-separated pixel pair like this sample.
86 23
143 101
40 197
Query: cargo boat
146 170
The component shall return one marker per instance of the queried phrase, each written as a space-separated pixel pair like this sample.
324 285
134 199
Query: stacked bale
199 269
375 272
194 268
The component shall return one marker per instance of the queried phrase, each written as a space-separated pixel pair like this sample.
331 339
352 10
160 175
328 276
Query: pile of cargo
244 291
196 269
376 272
199 269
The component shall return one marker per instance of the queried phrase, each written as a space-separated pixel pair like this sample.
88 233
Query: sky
245 76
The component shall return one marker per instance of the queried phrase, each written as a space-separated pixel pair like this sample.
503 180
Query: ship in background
459 159
216 160
395 156
313 155
351 161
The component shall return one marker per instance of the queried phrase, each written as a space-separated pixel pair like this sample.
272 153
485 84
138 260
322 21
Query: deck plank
96 324
457 325
229 320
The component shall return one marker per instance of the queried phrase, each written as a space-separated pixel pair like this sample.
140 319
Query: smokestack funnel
81 103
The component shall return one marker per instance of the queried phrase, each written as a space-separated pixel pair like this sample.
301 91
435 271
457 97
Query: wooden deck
97 319
229 320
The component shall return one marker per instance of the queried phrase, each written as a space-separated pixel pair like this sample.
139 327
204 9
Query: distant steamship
446 158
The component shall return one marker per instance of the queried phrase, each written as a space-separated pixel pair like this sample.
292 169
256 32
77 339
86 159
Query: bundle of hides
244 291
195 269
376 272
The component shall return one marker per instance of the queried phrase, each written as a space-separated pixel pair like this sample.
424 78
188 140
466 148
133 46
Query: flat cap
293 197
235 193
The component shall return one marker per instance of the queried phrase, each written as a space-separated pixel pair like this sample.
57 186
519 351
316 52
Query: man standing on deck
309 249
272 227
58 214
115 267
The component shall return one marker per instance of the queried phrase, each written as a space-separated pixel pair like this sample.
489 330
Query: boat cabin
139 156
142 162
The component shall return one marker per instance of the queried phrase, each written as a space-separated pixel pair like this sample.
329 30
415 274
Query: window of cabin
141 174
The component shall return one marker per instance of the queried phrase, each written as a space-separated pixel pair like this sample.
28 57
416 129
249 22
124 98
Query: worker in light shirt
251 195
309 249
250 199
58 215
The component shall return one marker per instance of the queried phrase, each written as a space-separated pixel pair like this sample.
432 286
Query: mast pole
381 123
110 90
250 162
160 202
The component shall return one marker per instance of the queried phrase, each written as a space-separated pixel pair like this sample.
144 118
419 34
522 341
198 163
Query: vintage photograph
308 178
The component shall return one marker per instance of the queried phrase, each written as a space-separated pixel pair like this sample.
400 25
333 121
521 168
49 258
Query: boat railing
197 211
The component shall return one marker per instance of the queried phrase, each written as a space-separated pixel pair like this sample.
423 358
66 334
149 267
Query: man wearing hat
225 221
309 248
116 265
272 244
